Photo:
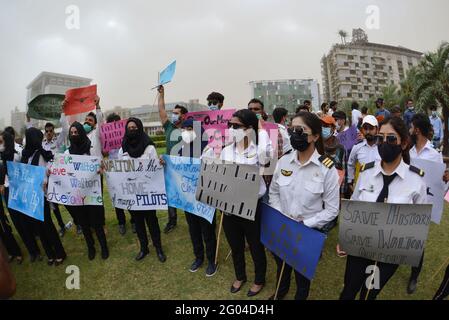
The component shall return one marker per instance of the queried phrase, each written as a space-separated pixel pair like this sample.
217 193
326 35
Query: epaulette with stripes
328 163
417 171
367 166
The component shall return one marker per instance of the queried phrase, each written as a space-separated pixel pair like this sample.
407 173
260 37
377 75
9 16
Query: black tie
383 195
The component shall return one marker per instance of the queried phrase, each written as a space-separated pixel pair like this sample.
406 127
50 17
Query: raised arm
161 105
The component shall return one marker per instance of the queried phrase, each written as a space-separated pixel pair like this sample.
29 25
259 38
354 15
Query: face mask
434 114
133 134
236 134
174 118
370 138
214 107
389 152
411 108
2 148
87 128
188 136
326 133
338 127
299 142
74 139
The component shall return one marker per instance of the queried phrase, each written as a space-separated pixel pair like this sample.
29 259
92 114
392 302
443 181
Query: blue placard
167 74
299 246
26 193
181 179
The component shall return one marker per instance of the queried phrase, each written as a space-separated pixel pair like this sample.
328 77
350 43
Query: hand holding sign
166 76
81 100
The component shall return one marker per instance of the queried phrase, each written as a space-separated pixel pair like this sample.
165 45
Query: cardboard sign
80 100
166 75
111 135
26 189
136 184
383 232
46 107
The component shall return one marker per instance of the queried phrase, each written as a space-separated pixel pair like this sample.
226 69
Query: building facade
360 70
18 120
286 93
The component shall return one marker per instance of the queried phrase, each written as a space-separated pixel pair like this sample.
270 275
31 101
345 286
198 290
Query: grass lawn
120 277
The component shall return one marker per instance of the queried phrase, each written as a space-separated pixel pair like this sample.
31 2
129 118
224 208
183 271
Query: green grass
120 277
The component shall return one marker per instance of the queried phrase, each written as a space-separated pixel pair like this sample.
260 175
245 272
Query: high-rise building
286 93
18 120
360 69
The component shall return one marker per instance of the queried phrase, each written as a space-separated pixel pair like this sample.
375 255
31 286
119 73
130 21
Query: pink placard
112 135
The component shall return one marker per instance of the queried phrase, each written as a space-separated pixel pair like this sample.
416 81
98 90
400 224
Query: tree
431 83
343 35
390 96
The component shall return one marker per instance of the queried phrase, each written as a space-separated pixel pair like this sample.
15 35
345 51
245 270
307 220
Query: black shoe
252 293
105 253
142 255
79 230
58 262
169 228
133 227
50 262
19 260
211 269
62 232
161 256
235 290
122 229
412 285
196 265
91 254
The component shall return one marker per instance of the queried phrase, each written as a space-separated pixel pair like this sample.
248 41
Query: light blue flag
181 179
26 193
167 74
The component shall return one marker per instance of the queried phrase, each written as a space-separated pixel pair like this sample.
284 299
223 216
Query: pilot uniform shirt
427 153
307 192
149 153
260 155
407 188
362 153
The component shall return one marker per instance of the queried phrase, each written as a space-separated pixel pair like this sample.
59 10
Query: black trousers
443 290
356 278
202 231
237 230
90 218
49 236
150 219
57 214
121 218
302 283
417 270
6 234
172 216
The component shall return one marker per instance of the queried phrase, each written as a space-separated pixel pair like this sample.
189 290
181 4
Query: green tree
343 35
390 96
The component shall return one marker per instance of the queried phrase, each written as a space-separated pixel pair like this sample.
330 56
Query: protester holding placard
7 154
120 213
138 145
34 154
172 138
88 217
392 180
215 101
251 145
420 128
305 188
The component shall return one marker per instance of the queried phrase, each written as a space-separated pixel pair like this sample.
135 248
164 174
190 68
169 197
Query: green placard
46 107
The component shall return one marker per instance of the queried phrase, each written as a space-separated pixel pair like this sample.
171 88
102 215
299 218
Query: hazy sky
219 45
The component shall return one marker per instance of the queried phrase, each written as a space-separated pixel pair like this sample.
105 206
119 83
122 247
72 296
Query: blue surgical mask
174 118
434 114
87 128
326 133
214 107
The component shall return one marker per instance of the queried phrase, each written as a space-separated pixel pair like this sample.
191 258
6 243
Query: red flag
80 100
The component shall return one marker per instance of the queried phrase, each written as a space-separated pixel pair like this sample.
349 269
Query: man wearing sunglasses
365 151
215 101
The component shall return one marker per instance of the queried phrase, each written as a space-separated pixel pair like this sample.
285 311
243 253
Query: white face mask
2 148
188 136
237 134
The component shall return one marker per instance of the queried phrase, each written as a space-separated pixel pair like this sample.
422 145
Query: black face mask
370 138
75 139
389 152
299 142
132 134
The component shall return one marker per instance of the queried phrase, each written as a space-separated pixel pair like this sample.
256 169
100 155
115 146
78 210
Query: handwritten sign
433 176
46 107
74 181
112 134
181 179
136 184
232 188
166 75
80 100
383 232
348 138
26 189
299 246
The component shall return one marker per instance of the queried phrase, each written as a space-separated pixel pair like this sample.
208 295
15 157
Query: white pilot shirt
94 136
427 153
407 188
308 192
362 153
286 139
260 155
149 153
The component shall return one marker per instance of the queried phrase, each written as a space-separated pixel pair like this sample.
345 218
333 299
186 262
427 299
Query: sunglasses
298 130
390 139
49 131
235 125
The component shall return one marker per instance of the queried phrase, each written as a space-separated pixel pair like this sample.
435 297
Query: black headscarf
7 155
136 143
80 144
33 146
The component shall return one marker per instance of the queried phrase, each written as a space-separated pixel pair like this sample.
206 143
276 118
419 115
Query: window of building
360 95
349 95
352 71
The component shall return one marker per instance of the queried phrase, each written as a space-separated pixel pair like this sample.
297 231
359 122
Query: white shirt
285 137
356 115
407 188
362 153
427 153
308 192
17 158
57 142
149 153
94 136
260 155
18 148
